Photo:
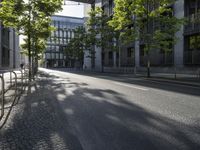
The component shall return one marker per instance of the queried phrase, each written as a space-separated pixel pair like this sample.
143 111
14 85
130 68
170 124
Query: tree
29 17
150 21
38 48
76 46
99 33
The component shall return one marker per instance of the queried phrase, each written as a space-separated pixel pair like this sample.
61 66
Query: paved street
83 111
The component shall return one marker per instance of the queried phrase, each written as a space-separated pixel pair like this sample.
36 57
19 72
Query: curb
174 82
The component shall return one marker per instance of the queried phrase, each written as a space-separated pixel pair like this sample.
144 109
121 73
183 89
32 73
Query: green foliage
30 17
99 33
76 46
37 48
152 22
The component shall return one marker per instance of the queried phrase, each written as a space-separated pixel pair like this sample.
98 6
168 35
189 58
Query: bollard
10 78
135 71
15 74
175 73
22 81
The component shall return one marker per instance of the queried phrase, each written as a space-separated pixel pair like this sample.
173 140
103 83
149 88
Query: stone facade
9 49
186 52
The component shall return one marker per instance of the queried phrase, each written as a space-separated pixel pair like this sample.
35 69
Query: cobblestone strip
38 122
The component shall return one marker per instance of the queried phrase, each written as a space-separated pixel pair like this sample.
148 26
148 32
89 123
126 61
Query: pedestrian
21 65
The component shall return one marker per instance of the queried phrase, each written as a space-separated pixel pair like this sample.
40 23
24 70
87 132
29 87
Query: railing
5 104
2 97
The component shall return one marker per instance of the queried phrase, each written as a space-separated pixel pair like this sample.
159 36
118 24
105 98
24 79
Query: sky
72 9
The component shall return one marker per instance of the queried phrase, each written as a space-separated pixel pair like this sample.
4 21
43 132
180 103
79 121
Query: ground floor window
158 57
192 50
5 57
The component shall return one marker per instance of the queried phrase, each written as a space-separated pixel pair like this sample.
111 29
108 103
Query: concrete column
179 47
11 48
64 63
114 59
137 54
87 61
17 51
98 59
98 51
0 45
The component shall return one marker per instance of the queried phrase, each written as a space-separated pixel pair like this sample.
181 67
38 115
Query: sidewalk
37 121
184 79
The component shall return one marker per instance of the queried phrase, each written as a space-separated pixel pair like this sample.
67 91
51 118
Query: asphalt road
113 112
108 112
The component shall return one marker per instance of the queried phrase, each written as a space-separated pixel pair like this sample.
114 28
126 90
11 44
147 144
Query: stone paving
38 122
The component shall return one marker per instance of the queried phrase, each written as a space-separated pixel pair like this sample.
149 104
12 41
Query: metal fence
12 83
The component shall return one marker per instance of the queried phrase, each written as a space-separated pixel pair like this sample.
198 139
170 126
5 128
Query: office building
185 55
9 48
55 55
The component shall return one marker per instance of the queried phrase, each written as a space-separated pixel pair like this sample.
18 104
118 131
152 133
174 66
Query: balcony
193 25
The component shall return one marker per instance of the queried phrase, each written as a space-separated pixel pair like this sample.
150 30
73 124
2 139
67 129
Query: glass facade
55 50
192 33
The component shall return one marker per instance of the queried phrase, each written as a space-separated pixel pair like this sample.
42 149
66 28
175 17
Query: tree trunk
148 67
29 57
148 63
29 45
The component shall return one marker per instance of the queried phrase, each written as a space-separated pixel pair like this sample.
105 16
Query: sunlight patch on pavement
61 97
56 141
91 96
69 111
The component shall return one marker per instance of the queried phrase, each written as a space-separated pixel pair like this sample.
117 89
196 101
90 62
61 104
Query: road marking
131 86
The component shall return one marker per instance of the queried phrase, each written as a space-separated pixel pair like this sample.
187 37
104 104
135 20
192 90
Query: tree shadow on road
110 122
38 122
131 79
74 116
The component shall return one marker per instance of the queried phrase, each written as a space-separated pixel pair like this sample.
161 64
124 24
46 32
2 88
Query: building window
5 57
111 6
192 43
192 50
130 51
110 55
